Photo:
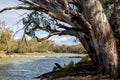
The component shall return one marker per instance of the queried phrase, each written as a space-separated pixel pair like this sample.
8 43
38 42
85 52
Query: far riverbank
44 55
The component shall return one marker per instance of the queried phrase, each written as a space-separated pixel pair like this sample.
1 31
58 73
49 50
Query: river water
22 68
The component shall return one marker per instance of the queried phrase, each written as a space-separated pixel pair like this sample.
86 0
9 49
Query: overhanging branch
27 2
47 37
17 7
73 29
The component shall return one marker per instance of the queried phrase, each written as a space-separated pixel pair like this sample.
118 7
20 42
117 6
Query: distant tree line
9 45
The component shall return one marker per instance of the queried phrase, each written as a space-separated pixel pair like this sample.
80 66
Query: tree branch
27 2
55 11
44 38
71 28
17 7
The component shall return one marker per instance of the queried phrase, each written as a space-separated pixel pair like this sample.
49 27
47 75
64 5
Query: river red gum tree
87 22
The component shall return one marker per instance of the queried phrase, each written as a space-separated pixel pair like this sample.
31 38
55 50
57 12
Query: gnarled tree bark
101 35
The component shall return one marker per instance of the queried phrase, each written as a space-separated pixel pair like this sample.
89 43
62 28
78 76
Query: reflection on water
27 68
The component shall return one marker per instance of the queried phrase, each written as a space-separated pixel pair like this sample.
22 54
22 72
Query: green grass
86 59
67 68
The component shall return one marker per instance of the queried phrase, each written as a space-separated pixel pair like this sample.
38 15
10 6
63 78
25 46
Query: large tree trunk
115 24
100 43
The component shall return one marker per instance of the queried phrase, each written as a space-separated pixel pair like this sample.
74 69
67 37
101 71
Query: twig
17 7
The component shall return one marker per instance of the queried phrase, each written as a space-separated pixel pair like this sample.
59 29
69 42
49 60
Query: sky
13 16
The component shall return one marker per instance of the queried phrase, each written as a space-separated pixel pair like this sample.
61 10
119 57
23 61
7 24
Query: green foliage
68 49
36 21
85 59
5 36
45 46
12 46
2 46
33 46
67 68
107 5
21 47
76 48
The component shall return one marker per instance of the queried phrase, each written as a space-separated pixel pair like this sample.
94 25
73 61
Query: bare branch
17 7
44 6
27 2
47 37
53 10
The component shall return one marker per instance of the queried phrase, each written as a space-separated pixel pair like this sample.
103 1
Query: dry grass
2 54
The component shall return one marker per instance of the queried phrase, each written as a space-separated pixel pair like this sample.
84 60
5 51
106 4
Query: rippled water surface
21 68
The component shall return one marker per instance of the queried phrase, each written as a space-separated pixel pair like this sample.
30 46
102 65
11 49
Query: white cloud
17 37
66 40
59 39
41 34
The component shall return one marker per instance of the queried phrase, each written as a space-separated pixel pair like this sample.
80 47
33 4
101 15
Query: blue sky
12 17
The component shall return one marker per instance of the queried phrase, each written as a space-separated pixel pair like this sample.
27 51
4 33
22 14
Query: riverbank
43 55
86 71
2 54
83 71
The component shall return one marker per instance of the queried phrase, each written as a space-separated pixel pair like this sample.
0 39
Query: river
25 68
